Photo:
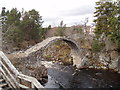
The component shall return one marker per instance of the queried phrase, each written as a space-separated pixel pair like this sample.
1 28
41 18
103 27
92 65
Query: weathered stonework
34 54
82 57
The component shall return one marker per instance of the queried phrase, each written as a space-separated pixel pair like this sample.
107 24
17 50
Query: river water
61 76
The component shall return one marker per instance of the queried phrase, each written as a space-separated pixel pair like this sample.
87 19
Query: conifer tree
104 15
108 20
31 25
60 30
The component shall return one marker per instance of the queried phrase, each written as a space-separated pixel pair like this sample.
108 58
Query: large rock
39 72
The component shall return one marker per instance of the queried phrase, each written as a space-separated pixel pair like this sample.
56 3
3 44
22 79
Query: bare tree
85 24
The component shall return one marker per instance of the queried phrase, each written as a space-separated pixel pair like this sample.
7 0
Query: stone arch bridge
35 52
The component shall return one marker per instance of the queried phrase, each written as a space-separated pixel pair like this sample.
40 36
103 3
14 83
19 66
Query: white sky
72 12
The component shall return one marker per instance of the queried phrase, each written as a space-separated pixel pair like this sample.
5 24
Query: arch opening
58 51
35 53
74 50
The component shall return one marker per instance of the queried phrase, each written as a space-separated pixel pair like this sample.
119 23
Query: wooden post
0 37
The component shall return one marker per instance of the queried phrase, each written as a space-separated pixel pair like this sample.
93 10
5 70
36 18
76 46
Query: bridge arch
75 50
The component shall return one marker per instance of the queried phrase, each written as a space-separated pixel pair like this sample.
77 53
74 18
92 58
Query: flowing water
61 76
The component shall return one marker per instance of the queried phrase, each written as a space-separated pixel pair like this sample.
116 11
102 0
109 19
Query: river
61 76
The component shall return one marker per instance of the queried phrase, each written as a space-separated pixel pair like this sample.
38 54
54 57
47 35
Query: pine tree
108 20
13 17
23 26
104 15
13 34
61 29
31 25
115 24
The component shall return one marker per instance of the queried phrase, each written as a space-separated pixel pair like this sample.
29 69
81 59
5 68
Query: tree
49 27
103 13
22 26
115 23
11 29
108 20
13 17
78 29
14 35
85 24
61 29
32 25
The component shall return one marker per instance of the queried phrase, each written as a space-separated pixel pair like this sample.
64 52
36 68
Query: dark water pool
61 76
93 78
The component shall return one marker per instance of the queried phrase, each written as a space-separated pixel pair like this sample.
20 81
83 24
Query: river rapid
62 77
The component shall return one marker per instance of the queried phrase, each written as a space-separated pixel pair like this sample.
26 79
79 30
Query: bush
60 32
78 30
97 46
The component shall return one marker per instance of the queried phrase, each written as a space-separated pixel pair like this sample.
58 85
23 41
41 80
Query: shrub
97 46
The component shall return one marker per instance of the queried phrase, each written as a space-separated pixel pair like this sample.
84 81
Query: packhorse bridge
14 79
35 53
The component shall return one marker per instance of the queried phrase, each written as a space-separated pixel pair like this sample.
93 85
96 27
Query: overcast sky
72 12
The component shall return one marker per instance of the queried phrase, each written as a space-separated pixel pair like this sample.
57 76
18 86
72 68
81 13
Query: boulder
39 72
